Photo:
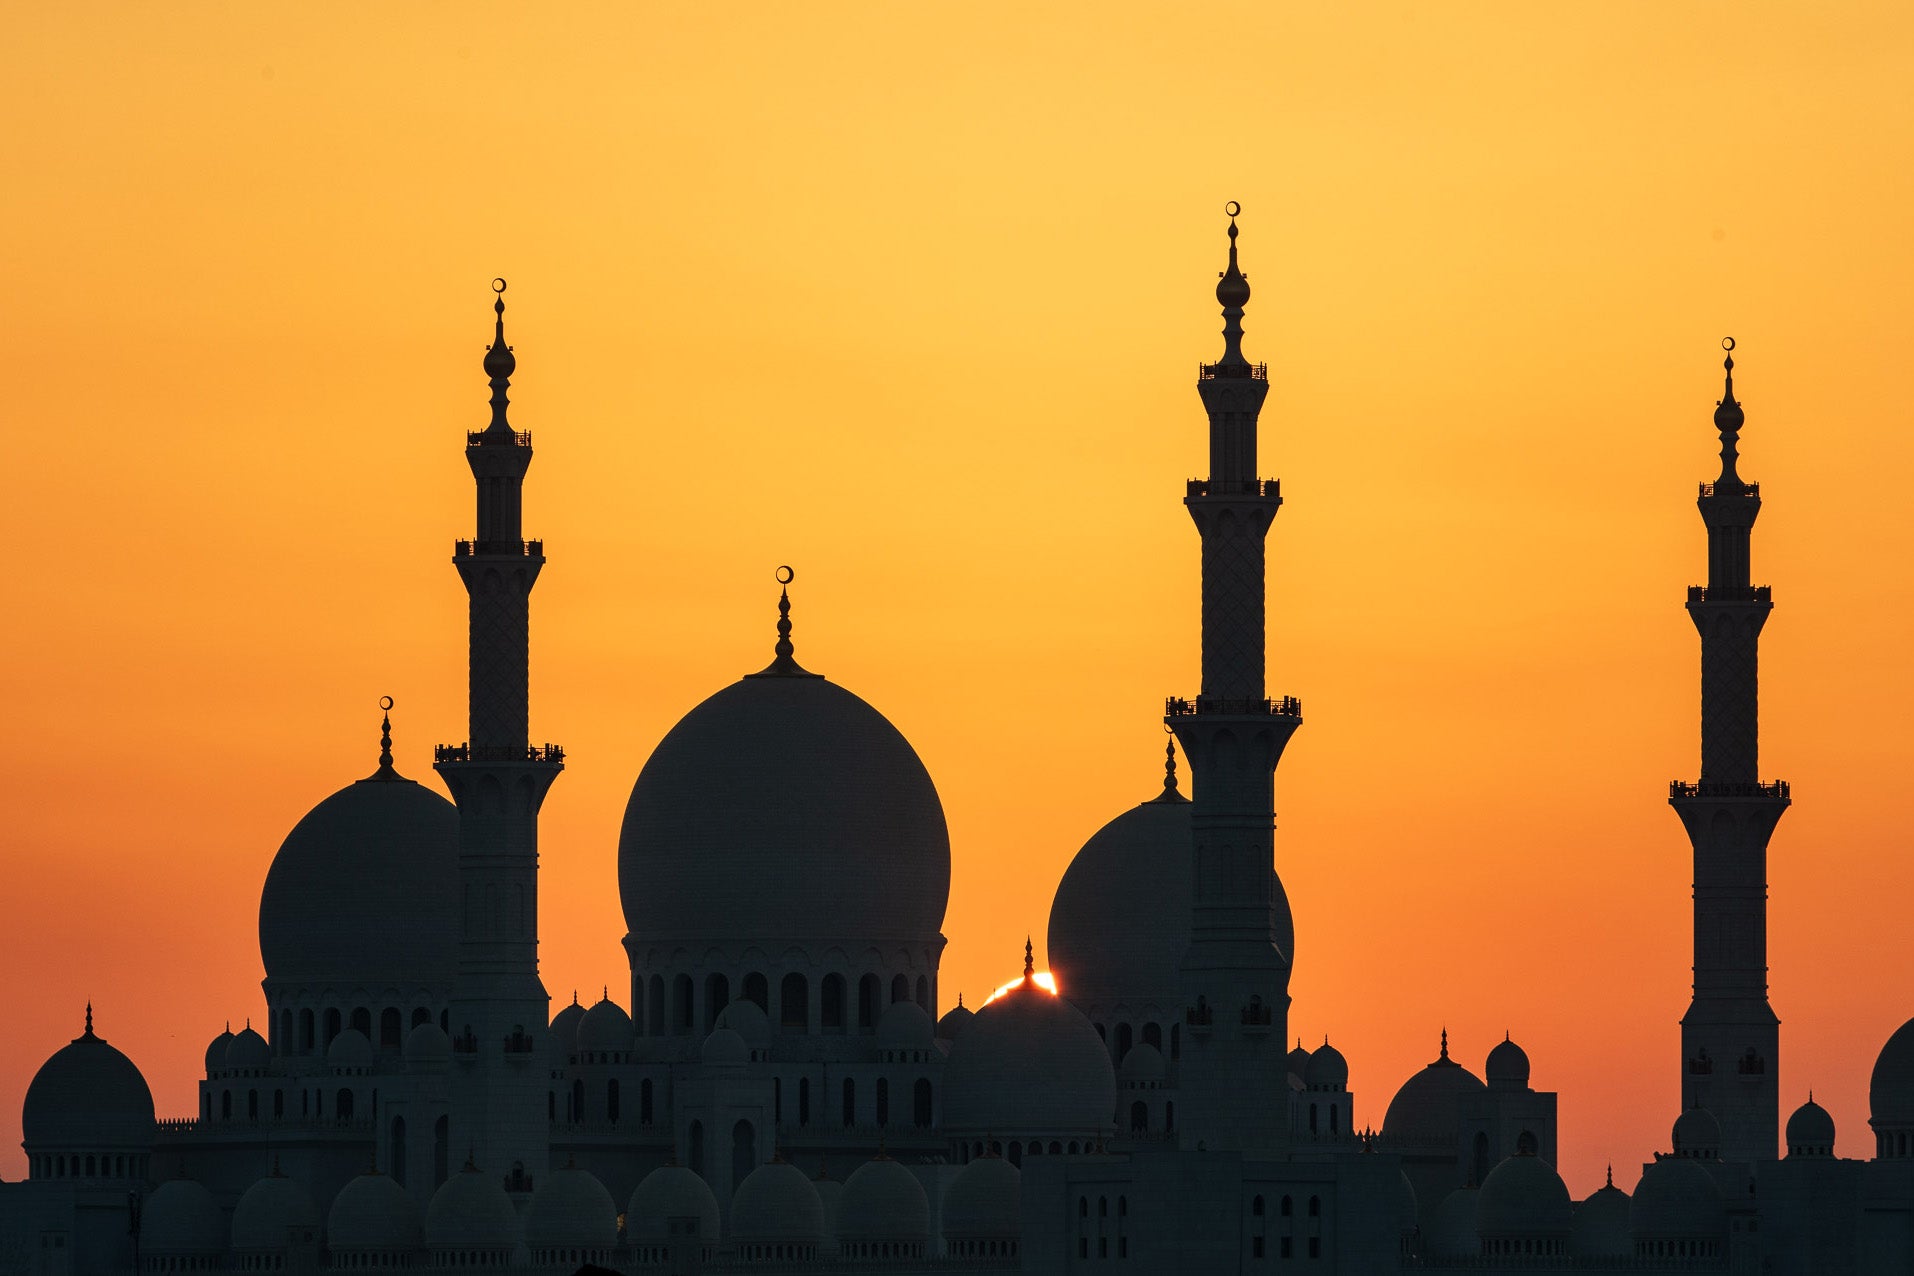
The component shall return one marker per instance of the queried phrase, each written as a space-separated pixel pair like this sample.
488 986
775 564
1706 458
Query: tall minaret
1235 978
499 1007
1730 1038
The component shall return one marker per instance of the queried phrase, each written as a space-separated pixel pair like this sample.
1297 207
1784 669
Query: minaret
499 779
1730 1036
1235 979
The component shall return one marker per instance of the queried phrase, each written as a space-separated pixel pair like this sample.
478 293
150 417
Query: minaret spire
1235 979
385 771
499 779
1730 1035
783 656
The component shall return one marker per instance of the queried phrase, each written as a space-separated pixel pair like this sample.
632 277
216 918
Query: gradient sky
912 297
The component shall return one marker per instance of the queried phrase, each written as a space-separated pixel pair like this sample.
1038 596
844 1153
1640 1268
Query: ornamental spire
784 663
499 366
1728 417
385 771
1232 291
1029 959
89 1017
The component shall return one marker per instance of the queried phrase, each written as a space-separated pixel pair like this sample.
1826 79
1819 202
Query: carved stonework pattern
1233 609
1729 699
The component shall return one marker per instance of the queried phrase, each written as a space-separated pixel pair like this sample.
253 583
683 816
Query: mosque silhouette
779 1093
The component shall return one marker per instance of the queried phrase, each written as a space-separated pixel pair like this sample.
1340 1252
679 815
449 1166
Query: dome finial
1232 292
499 366
1029 960
1445 1042
960 999
89 1017
784 663
1611 1174
1729 417
385 771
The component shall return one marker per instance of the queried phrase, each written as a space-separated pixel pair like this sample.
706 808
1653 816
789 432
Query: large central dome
784 808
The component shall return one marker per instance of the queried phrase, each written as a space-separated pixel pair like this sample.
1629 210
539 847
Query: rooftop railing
1731 594
1744 489
479 438
1218 372
1287 707
547 753
472 549
1241 487
1727 789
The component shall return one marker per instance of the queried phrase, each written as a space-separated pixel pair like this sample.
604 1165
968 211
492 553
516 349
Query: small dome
1120 917
883 1201
269 1212
1890 1091
87 1095
724 1048
747 1018
1298 1061
1600 1228
1677 1200
776 1204
365 890
248 1052
668 1192
984 1201
604 1029
1523 1198
1406 1205
427 1048
1425 1110
1029 1062
1507 1067
471 1211
571 1210
1697 1134
181 1217
565 1030
1451 1233
1810 1131
954 1021
905 1026
349 1049
373 1214
1327 1069
784 808
216 1053
1144 1065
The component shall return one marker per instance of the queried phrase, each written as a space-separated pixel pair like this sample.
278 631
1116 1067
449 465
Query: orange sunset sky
911 297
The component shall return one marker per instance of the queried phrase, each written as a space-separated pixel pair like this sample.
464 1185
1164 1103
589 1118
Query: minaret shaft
499 1006
1235 980
1730 1035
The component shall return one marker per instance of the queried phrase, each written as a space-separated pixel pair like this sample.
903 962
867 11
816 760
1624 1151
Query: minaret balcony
483 438
542 755
1731 594
1286 707
1749 490
1728 789
1226 372
521 549
1240 487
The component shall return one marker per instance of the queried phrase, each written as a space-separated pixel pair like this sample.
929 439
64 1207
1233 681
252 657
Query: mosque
778 1090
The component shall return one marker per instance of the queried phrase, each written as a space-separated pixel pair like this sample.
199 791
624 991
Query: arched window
850 1103
578 1100
391 1026
869 991
1479 1157
420 1014
923 993
305 1032
1335 1126
225 1105
1139 1117
757 988
441 1149
342 1104
1015 1156
794 1002
1153 1035
611 1100
1312 1120
1256 1207
883 1101
90 1171
252 1105
278 1103
717 995
644 1102
743 1152
694 1147
332 1028
777 1101
395 1152
804 1100
1315 1207
282 1037
1288 1207
683 1012
900 988
921 1096
1123 1041
830 1002
1176 1041
362 1021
